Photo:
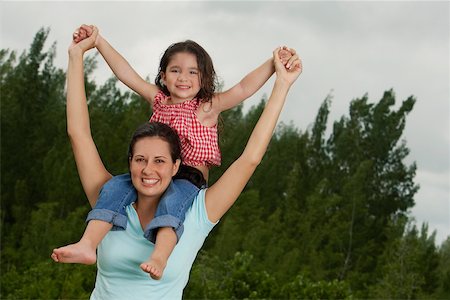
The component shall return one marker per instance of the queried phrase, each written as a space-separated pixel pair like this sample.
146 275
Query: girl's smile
182 77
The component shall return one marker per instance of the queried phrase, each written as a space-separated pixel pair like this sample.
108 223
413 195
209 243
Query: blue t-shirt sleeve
201 215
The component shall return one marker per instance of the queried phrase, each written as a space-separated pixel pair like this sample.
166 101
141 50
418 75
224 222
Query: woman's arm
122 69
91 170
222 195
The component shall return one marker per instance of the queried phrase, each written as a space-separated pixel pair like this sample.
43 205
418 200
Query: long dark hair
208 78
192 174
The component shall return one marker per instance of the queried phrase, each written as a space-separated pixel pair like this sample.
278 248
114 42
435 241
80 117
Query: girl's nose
181 77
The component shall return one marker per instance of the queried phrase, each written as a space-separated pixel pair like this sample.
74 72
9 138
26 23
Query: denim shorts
119 192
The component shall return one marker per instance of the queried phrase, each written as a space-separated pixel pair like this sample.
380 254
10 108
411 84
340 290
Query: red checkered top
199 144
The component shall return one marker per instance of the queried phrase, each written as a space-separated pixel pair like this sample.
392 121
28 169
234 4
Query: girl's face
151 167
182 77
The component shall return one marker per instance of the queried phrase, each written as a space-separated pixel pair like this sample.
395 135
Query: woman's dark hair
165 132
192 174
208 79
157 129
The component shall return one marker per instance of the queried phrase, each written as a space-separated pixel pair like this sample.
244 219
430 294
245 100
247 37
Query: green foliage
322 217
410 268
303 288
443 291
30 273
214 278
47 280
31 105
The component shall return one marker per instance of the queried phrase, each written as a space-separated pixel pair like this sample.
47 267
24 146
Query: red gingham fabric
199 144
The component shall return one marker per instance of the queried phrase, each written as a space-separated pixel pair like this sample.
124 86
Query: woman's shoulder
198 213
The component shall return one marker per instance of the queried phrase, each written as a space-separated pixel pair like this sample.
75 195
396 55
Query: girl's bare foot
80 253
154 267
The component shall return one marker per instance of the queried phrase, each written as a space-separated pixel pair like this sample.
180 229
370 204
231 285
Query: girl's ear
162 81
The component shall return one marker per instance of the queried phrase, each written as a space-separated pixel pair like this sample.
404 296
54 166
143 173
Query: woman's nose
147 170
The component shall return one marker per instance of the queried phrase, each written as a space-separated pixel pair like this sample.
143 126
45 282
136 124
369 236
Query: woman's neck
145 209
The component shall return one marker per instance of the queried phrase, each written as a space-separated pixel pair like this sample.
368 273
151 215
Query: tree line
324 216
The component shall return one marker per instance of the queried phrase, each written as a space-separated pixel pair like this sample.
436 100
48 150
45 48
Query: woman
153 161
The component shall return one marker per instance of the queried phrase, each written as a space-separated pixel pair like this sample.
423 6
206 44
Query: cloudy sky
348 49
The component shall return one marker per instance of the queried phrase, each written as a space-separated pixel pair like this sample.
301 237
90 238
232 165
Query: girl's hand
291 73
83 32
79 35
287 56
83 39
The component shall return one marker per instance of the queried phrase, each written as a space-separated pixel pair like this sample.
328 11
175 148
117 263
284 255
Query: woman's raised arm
91 170
222 194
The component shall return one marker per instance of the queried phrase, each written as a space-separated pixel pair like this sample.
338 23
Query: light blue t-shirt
121 252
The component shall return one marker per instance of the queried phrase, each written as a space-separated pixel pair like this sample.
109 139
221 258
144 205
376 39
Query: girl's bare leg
166 239
83 252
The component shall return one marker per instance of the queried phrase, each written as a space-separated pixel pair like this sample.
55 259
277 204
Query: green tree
31 95
215 278
366 184
410 268
303 288
443 291
37 276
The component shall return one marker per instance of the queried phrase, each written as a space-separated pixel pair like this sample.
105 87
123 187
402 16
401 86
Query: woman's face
151 167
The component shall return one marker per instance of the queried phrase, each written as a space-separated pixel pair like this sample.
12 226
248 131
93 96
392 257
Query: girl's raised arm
91 170
253 81
222 195
122 69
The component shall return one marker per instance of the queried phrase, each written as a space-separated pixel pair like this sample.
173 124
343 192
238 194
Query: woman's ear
176 167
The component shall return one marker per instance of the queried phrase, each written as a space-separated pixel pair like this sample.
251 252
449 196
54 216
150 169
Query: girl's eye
175 71
194 72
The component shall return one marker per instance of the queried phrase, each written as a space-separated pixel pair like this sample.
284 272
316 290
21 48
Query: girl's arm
222 195
91 170
122 69
253 81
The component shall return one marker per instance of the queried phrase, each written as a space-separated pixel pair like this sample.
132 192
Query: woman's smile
152 167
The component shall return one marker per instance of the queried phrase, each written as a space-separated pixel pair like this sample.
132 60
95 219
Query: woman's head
160 130
154 157
207 75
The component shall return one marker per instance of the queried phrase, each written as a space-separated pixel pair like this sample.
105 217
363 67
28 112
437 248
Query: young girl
183 97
